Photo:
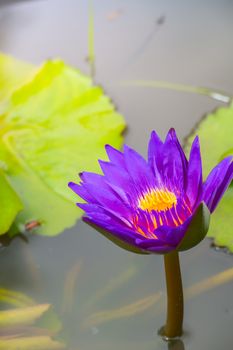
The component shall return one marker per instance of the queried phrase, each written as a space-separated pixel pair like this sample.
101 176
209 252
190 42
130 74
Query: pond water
107 298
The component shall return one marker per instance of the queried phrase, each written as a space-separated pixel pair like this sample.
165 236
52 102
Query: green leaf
53 127
197 229
10 204
13 73
215 132
221 227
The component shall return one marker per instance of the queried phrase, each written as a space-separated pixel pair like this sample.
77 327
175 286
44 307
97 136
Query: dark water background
188 42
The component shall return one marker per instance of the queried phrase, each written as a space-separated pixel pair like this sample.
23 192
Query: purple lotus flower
153 206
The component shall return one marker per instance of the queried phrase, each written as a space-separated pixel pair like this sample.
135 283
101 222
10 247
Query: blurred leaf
53 127
14 298
49 322
30 343
22 316
215 132
10 204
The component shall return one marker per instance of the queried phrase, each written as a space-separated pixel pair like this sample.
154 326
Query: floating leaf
10 204
215 132
51 126
13 73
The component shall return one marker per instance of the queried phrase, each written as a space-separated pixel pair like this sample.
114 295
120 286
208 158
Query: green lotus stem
175 304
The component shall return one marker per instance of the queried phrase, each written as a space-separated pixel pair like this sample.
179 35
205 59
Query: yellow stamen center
158 200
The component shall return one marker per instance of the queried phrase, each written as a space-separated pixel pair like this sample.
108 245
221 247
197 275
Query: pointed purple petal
154 149
194 185
109 225
81 192
96 211
174 163
115 156
217 182
139 170
108 199
183 160
117 178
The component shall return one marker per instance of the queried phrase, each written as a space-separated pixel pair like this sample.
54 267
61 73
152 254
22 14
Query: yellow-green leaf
52 127
216 138
13 73
10 204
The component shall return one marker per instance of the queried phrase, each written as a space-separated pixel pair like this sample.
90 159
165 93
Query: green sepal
197 229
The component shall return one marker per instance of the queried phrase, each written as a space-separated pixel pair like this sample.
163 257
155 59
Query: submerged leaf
22 316
30 343
123 312
54 124
70 285
15 298
215 133
111 285
209 283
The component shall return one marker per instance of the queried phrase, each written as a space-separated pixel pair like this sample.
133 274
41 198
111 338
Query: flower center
158 200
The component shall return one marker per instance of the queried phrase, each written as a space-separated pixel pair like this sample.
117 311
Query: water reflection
11 2
176 344
26 324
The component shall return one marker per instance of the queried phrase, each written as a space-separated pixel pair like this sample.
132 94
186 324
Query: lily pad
10 204
53 126
215 132
13 73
